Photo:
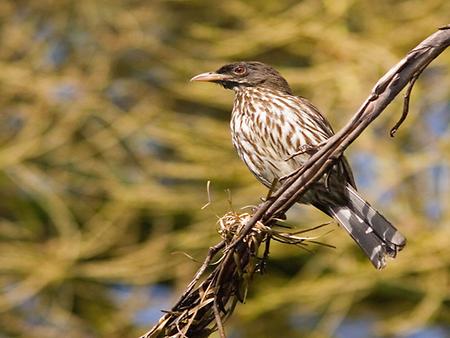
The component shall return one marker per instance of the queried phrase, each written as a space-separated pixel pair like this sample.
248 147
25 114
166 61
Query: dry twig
203 308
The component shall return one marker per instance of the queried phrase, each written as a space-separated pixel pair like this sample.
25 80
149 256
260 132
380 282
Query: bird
275 132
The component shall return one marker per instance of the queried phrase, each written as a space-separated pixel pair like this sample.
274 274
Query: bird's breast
266 134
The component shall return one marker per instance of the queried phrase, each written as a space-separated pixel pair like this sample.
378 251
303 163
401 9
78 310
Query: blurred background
106 148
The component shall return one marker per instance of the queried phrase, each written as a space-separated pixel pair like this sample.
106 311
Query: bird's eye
239 70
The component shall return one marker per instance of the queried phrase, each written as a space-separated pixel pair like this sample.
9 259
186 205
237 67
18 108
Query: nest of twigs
206 305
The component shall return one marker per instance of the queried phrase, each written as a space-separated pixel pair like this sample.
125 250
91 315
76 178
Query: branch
203 308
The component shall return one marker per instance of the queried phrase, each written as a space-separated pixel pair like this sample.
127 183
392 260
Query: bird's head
246 74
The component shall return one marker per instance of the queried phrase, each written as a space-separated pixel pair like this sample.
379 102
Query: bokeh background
105 151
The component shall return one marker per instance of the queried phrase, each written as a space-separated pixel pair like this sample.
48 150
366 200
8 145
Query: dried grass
204 308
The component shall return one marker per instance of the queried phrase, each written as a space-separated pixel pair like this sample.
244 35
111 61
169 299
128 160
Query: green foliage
105 151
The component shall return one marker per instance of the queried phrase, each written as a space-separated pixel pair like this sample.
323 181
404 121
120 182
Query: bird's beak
211 77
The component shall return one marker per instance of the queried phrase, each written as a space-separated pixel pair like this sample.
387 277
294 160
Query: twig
211 254
244 233
208 191
405 106
218 320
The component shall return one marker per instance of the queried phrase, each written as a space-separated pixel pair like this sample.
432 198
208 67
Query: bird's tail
376 236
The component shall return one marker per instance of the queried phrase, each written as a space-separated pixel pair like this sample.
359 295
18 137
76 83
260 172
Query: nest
206 305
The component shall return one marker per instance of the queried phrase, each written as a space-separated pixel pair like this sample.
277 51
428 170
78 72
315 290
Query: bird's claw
285 177
306 148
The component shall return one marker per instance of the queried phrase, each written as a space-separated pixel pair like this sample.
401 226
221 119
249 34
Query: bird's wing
317 116
320 120
345 167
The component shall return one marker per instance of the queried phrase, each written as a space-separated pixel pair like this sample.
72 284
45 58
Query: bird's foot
272 189
306 148
285 177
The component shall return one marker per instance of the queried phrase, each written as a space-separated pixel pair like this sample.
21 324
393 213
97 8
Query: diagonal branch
203 307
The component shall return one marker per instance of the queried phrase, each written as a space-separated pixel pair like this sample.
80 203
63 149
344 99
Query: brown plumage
275 132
